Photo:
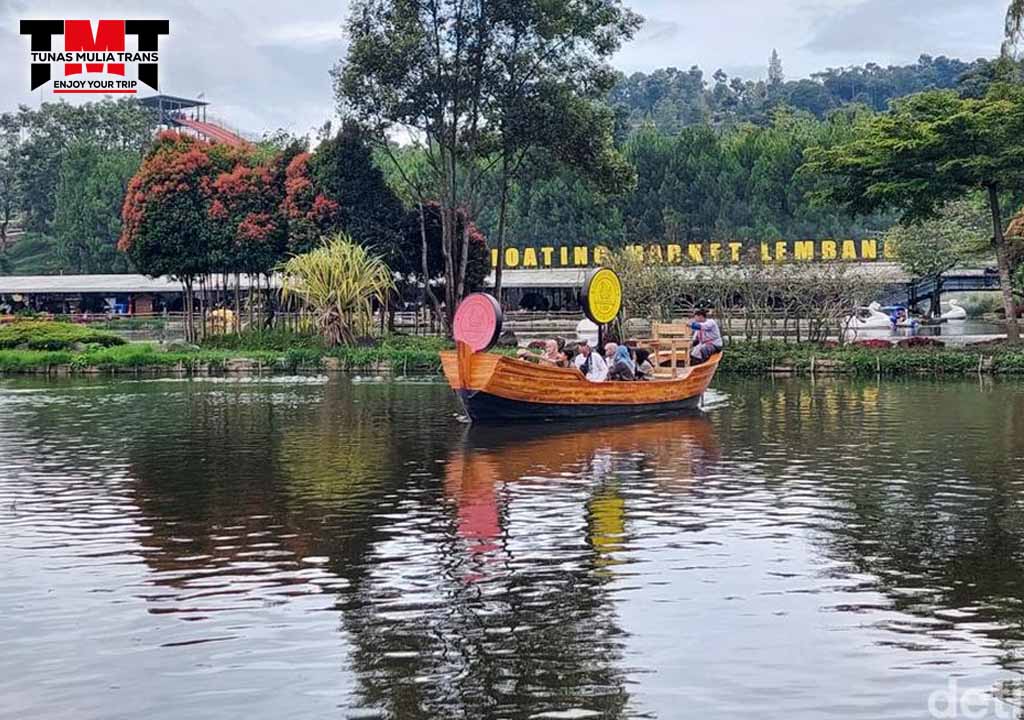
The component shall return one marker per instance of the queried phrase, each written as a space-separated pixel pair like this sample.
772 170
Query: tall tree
10 196
775 75
1014 26
930 149
87 214
459 78
167 225
369 210
53 128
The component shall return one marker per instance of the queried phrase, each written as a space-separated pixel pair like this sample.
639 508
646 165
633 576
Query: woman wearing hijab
620 364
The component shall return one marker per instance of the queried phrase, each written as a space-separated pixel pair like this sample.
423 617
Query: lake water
304 547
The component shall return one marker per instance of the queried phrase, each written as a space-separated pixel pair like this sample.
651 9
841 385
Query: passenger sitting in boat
644 368
707 338
550 356
590 363
620 364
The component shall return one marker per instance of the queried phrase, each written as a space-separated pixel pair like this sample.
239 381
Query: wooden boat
495 388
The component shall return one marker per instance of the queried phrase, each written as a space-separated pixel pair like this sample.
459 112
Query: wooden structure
667 341
498 388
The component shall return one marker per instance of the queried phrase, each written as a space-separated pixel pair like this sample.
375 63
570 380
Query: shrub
277 339
46 335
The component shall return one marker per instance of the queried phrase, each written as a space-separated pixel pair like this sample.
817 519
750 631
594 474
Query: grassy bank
775 357
254 353
56 348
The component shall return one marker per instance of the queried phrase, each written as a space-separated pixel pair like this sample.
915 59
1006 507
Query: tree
53 128
246 209
653 288
167 226
930 149
1014 26
311 214
475 84
87 214
337 282
10 197
928 248
775 75
425 222
342 168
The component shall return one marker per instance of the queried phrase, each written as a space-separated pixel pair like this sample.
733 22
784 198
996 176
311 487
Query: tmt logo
99 48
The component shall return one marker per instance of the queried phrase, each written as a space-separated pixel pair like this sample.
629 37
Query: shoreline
752 359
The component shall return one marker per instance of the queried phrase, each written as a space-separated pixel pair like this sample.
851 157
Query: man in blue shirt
707 338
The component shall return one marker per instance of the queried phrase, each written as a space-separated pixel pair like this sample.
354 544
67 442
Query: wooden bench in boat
665 344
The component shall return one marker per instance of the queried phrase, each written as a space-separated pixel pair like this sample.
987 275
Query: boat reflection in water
492 467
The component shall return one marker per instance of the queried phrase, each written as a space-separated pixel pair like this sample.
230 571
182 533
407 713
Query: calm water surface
298 548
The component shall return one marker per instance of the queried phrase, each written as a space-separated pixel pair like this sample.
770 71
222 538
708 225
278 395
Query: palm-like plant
337 283
1014 25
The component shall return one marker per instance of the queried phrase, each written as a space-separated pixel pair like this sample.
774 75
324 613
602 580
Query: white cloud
265 64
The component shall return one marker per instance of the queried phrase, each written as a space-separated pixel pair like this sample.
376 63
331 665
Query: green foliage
399 353
931 149
407 259
338 283
759 358
480 86
277 340
929 248
32 254
369 210
87 221
46 335
671 99
49 131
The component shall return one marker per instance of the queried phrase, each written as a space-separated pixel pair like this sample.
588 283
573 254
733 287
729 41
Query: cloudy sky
263 64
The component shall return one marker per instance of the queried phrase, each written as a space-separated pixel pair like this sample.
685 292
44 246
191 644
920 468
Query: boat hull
484 407
495 388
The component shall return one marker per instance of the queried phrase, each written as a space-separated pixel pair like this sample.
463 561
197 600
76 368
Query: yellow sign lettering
803 250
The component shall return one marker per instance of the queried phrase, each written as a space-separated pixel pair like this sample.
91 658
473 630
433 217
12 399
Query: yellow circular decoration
603 296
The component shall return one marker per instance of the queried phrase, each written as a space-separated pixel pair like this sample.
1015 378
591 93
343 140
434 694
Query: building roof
40 284
167 100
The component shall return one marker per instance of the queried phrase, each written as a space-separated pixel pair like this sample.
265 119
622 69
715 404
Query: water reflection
289 549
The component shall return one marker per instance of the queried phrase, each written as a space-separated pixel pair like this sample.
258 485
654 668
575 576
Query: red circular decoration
478 322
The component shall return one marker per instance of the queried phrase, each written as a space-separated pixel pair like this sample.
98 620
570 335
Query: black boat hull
483 407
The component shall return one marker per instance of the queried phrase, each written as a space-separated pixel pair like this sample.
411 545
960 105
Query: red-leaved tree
167 228
310 213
